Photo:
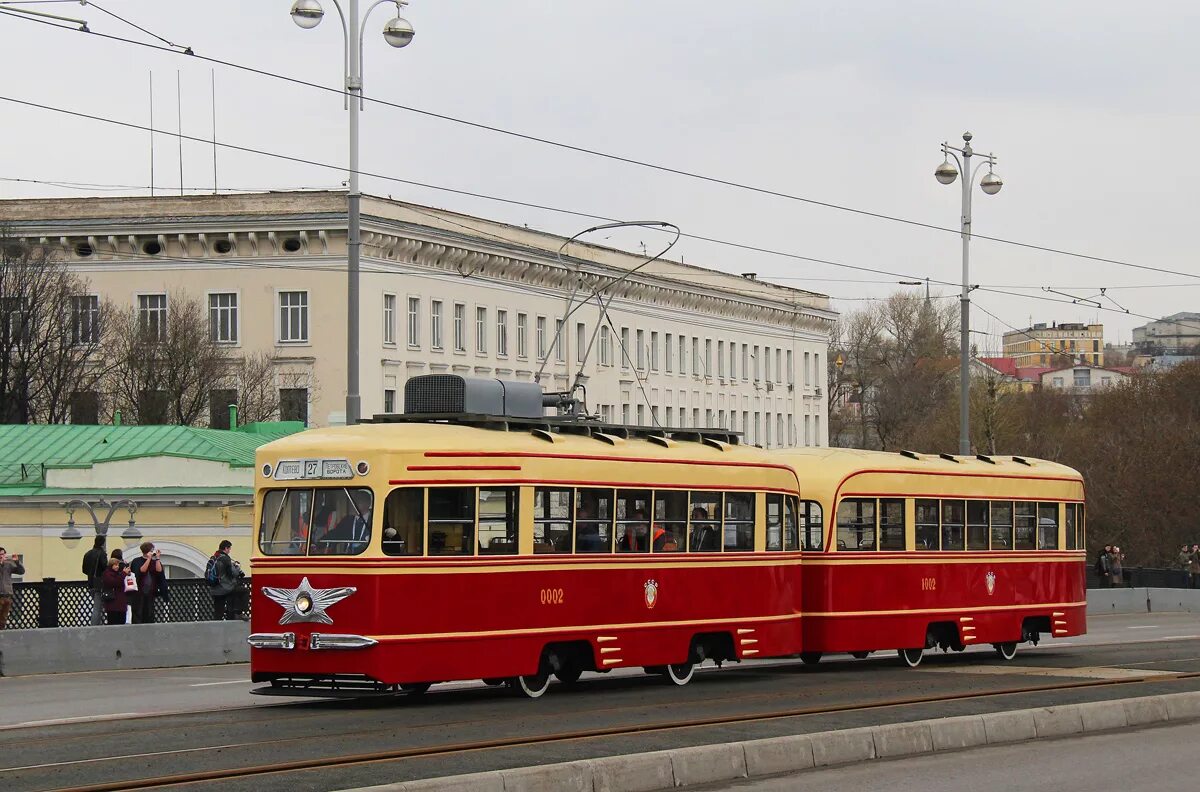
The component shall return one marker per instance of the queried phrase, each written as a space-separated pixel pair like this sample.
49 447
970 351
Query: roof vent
450 394
910 454
950 458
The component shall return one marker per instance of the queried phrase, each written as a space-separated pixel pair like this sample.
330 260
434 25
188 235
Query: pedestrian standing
9 566
1102 567
1194 567
1116 565
94 563
112 588
151 583
226 589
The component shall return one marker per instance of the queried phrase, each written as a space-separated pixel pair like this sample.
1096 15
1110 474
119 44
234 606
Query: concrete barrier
1117 600
67 649
711 764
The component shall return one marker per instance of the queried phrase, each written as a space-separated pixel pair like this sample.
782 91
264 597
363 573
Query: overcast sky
1090 106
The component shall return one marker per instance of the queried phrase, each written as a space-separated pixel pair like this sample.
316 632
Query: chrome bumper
317 641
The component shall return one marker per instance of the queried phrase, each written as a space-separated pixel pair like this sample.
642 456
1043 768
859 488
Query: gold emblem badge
990 581
651 589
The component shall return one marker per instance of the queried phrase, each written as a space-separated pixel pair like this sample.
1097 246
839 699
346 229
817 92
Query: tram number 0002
928 584
552 596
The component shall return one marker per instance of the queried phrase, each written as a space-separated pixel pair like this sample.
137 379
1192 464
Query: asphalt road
224 727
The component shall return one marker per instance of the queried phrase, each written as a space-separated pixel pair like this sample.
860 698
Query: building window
152 316
481 330
791 372
732 360
560 343
817 375
293 317
580 341
745 362
1083 378
605 344
682 355
708 357
85 407
85 319
223 318
778 364
541 338
624 347
502 333
389 400
389 319
435 324
669 354
293 404
721 359
807 434
460 330
218 407
522 335
756 364
767 363
695 356
653 351
641 351
414 322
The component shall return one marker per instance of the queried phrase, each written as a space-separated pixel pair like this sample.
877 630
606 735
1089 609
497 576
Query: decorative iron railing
68 603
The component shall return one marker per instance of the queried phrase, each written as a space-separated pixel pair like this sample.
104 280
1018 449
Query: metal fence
1142 577
68 603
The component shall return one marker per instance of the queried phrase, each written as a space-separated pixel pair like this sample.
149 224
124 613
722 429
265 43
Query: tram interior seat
498 546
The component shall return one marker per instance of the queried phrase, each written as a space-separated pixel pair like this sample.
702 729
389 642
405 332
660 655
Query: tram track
424 752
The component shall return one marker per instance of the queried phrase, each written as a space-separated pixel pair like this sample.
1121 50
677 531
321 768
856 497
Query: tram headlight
304 603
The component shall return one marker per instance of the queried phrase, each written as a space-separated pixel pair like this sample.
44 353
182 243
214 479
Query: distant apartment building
1177 334
1038 345
1083 379
678 346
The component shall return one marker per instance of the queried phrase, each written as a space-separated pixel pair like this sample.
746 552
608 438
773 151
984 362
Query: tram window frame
556 532
978 528
1001 507
493 543
302 530
814 525
401 523
672 521
1030 528
1081 525
467 542
927 532
633 532
600 503
891 530
738 528
954 531
773 520
705 534
851 528
1069 519
1047 526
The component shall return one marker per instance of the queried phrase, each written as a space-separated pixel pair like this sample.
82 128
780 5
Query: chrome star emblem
305 603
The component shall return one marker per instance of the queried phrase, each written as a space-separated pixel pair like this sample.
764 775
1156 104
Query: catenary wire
174 49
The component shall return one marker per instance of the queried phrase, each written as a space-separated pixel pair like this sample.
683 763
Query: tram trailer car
408 552
936 551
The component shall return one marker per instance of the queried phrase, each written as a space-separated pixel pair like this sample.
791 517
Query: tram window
704 522
1071 536
1047 526
856 524
953 524
977 525
739 521
814 525
670 521
1002 525
552 520
451 521
285 518
633 521
404 522
1026 522
774 522
927 517
498 521
593 521
891 524
1081 526
341 524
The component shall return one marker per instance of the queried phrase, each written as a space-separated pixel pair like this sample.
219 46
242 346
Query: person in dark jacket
9 566
112 588
226 594
94 563
151 583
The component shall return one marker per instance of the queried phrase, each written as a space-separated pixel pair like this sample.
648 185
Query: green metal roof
27 450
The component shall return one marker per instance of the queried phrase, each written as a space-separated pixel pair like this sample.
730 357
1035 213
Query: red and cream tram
425 548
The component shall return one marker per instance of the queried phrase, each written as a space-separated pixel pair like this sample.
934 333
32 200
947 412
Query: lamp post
71 533
398 33
946 173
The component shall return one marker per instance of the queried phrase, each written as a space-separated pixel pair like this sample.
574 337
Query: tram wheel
810 658
533 686
682 673
1006 650
568 675
911 657
416 689
859 655
494 681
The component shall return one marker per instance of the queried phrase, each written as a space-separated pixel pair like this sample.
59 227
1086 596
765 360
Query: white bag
130 582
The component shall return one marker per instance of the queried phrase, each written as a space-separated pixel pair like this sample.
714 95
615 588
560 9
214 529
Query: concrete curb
707 764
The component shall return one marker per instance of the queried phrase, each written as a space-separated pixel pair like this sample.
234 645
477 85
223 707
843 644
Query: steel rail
588 734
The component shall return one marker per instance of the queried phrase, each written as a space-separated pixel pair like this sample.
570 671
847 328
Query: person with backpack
95 561
223 576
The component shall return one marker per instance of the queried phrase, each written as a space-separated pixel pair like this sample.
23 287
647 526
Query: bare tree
260 378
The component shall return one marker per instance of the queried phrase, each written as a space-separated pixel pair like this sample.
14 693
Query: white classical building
450 293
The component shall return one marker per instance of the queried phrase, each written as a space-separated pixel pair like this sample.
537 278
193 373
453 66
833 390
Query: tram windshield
316 521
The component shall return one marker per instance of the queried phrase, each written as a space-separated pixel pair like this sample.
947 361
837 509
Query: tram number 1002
552 596
928 584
